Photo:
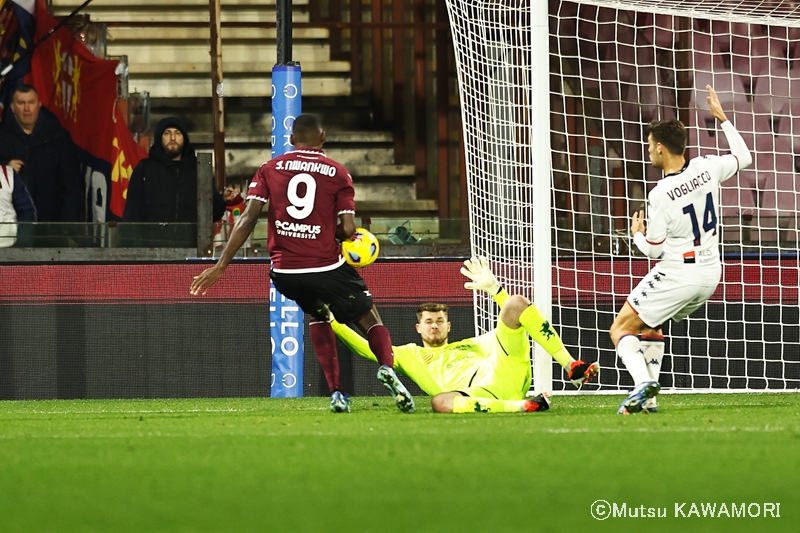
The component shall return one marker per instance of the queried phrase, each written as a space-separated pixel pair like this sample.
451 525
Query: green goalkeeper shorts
507 372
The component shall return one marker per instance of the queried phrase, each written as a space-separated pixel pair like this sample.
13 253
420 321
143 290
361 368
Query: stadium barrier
134 331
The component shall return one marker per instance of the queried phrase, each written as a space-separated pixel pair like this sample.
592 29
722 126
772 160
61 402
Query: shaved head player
310 201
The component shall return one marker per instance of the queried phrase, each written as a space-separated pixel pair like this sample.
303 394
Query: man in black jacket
41 151
163 189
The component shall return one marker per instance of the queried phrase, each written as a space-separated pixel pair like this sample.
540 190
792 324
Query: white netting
495 71
614 67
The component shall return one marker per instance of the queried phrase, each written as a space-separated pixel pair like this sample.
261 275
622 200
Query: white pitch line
145 412
449 431
685 429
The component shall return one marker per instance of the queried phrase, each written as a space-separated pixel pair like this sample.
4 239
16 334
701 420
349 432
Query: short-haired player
490 373
310 200
683 231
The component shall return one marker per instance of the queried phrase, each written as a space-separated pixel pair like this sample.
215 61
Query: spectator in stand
41 151
234 204
163 189
15 205
234 207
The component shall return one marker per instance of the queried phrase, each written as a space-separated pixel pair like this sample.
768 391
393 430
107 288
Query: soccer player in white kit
683 231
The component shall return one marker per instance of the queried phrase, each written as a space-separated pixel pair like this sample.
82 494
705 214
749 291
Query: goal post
554 110
507 158
540 178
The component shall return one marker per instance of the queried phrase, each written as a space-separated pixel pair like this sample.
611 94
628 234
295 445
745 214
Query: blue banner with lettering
285 106
286 318
286 334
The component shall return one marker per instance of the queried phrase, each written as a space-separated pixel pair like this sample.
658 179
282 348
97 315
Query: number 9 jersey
683 209
306 192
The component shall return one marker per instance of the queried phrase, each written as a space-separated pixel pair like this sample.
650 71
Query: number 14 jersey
683 211
306 192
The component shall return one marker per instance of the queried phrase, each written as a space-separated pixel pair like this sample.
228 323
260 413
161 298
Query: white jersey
8 213
683 209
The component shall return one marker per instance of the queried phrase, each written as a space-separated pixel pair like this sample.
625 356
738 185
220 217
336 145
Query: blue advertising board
286 318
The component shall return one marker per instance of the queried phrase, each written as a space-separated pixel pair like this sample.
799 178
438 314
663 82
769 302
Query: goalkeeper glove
477 269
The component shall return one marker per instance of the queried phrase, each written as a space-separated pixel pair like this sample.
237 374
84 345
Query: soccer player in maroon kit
310 200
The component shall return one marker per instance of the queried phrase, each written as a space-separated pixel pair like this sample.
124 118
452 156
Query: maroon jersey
307 192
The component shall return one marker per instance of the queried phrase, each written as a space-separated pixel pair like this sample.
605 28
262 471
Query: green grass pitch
290 465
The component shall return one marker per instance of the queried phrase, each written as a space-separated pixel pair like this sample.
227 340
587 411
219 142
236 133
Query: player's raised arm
735 141
477 269
714 105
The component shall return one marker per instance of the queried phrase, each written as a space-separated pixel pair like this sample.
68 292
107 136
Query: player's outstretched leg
401 396
580 372
340 403
542 332
471 404
635 401
540 402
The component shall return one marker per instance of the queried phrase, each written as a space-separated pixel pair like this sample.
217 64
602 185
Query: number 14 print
709 218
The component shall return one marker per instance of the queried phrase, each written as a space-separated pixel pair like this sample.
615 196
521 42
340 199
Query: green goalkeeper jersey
456 366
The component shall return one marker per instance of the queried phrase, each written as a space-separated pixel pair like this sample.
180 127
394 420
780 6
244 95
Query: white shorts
661 296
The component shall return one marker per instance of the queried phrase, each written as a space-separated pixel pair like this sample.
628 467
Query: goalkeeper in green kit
490 373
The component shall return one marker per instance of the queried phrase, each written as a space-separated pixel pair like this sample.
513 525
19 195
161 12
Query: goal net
612 67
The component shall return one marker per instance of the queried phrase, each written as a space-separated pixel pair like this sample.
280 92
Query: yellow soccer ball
361 249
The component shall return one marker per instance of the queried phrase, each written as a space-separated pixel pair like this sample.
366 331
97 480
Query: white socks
653 348
629 349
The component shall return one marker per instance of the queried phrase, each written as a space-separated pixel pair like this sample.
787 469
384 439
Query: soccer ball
361 249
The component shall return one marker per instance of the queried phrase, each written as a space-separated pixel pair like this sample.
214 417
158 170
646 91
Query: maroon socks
324 341
381 344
